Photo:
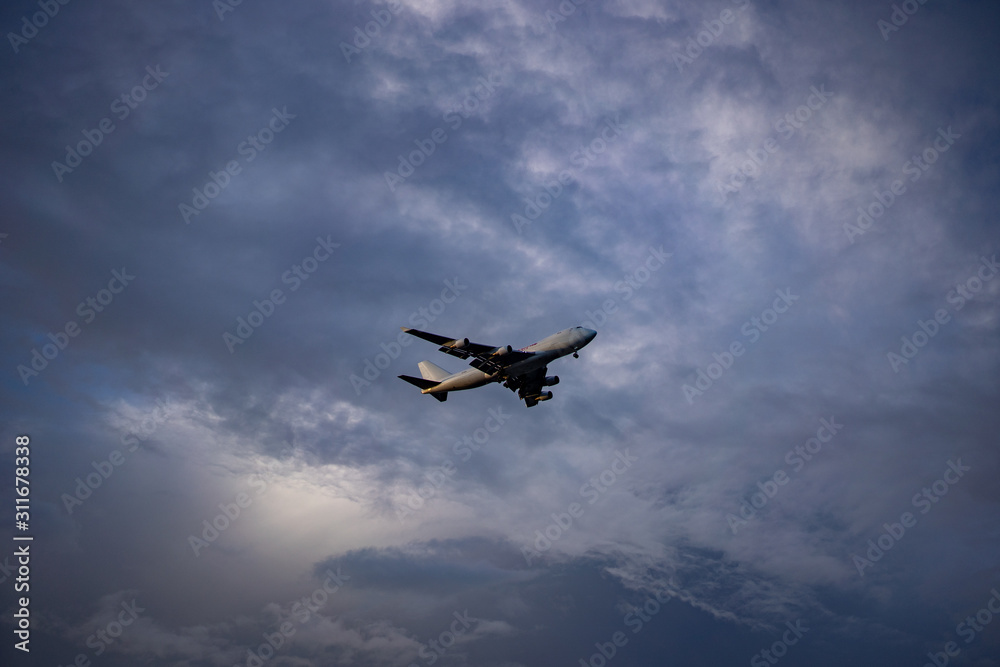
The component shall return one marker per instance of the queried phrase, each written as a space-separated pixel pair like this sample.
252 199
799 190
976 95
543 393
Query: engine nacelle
500 351
550 381
458 343
544 397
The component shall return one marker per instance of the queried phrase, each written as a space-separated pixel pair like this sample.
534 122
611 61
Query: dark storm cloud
290 185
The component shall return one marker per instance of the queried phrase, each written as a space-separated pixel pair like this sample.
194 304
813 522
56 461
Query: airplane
520 370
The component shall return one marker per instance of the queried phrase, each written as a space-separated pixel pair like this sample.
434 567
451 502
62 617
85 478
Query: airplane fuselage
567 341
470 378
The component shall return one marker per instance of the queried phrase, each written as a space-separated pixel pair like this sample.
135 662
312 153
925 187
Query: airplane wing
458 347
487 358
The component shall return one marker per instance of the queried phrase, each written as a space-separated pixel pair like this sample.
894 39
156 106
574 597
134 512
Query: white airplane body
520 370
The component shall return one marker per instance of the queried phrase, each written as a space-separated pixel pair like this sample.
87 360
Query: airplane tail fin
425 383
431 371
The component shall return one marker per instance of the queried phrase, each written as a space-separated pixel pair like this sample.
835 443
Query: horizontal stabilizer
423 383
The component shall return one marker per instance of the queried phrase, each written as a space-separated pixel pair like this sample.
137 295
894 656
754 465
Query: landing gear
576 356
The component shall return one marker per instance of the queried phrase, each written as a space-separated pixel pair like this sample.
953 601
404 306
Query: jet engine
550 381
458 343
500 351
544 397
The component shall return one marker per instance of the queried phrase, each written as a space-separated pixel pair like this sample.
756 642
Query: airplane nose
590 334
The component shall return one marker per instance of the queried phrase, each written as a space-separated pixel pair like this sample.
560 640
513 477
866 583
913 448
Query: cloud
752 138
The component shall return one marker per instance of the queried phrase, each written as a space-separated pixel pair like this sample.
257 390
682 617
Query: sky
779 217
